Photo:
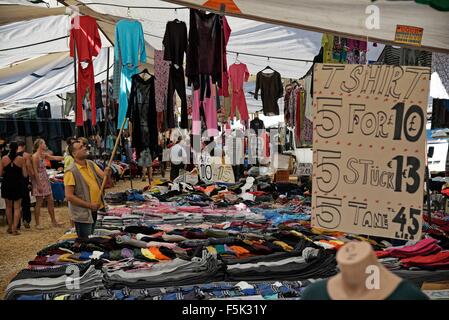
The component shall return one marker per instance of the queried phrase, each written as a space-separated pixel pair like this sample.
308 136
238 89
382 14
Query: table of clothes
174 242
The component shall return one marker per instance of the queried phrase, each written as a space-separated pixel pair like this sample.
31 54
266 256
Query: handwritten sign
369 149
408 35
212 170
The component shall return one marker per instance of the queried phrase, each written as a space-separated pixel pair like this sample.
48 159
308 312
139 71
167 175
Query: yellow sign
408 35
369 149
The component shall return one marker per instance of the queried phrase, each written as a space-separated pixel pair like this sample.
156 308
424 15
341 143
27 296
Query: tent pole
75 83
117 141
107 104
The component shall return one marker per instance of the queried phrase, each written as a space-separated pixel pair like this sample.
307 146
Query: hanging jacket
142 113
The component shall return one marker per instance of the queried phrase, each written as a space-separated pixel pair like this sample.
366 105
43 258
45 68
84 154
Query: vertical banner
369 149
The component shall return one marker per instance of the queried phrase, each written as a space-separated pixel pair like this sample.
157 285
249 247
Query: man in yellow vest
82 182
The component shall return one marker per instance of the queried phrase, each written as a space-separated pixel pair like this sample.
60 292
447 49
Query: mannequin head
353 260
361 275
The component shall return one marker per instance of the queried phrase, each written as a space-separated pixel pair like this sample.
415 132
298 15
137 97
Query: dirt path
16 251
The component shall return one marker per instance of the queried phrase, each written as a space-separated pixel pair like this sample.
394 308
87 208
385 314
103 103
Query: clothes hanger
129 17
176 17
237 61
145 71
268 66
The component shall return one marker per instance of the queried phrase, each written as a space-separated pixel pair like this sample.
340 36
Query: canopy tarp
30 33
342 17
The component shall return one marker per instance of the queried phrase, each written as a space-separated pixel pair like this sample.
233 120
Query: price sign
211 170
369 149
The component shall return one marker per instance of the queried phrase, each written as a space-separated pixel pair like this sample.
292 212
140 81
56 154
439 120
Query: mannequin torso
362 277
357 263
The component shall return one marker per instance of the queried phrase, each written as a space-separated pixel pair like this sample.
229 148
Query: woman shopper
13 170
26 201
41 184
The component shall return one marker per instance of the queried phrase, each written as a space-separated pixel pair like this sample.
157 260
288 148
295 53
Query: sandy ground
16 251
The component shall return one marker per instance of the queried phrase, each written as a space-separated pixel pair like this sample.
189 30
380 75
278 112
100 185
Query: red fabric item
85 81
238 74
382 254
267 145
424 247
442 224
84 35
84 31
445 192
224 90
439 260
258 193
160 121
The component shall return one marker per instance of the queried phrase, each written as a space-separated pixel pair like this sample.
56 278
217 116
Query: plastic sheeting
50 79
30 39
344 17
249 38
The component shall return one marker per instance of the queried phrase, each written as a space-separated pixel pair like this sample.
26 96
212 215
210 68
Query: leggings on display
85 80
176 82
207 102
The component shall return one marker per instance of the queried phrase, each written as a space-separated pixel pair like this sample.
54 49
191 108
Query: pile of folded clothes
269 290
424 254
68 279
206 242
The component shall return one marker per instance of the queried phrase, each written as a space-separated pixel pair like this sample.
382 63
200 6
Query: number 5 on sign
327 212
328 173
329 122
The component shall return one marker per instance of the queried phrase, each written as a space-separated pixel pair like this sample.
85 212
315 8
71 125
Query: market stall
277 157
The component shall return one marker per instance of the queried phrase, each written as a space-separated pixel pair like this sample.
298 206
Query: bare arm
100 172
29 165
22 163
35 164
71 197
107 171
1 167
54 158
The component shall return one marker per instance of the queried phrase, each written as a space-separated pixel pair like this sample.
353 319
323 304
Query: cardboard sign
369 149
304 169
408 35
211 170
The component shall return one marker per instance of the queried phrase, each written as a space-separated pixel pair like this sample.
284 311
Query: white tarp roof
26 26
437 89
343 17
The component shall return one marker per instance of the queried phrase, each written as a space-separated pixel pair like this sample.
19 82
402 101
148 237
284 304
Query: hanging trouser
239 101
210 112
85 81
125 89
161 73
176 82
